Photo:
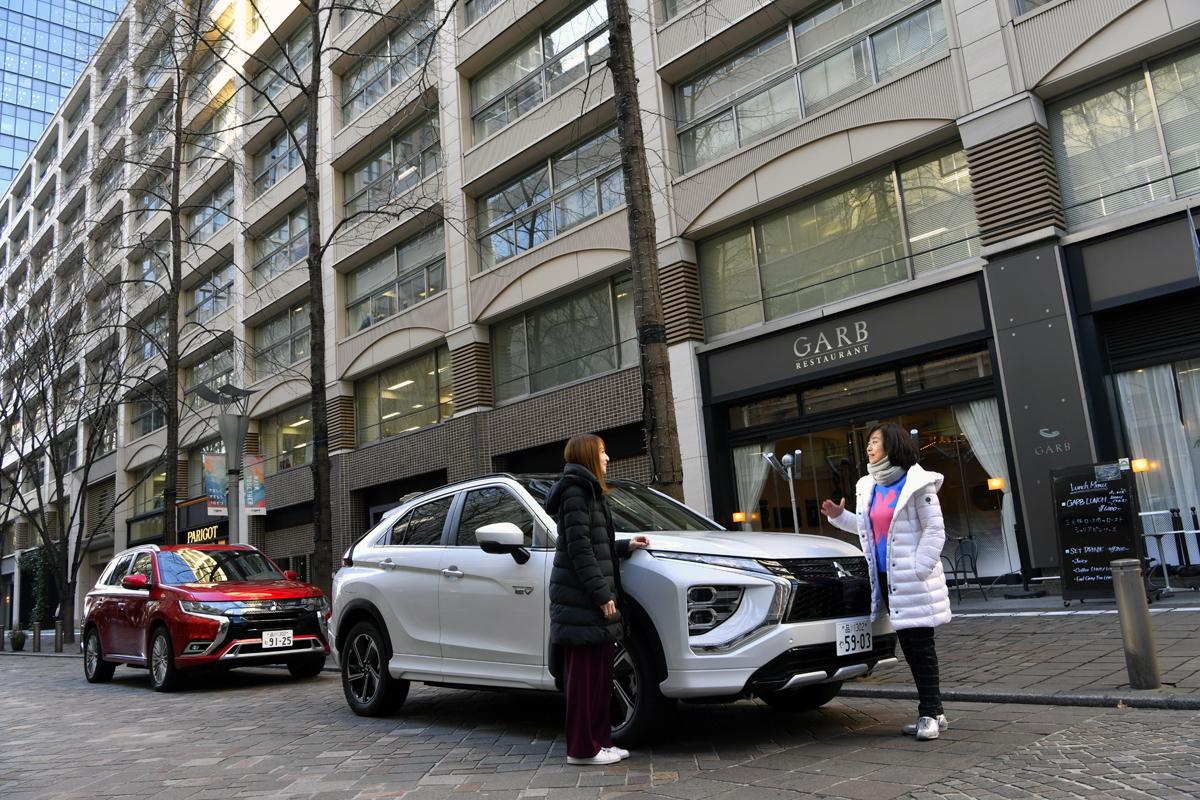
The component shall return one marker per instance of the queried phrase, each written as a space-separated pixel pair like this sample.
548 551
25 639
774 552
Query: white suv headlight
709 606
728 562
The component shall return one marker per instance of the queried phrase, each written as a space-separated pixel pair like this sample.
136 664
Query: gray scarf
884 473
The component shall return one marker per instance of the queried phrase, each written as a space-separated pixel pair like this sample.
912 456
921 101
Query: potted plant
17 639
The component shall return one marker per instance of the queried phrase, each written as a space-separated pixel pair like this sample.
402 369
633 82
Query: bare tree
66 380
291 71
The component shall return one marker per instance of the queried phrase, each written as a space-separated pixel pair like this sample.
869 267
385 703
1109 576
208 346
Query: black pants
919 652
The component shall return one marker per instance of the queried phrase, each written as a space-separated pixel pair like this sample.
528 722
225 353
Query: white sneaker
913 728
621 752
605 756
927 728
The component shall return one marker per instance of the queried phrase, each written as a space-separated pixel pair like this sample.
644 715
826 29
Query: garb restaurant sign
836 344
844 342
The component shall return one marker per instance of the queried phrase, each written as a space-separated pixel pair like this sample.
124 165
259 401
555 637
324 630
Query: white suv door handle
387 563
453 572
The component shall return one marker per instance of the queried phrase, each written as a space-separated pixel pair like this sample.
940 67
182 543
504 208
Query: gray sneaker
929 731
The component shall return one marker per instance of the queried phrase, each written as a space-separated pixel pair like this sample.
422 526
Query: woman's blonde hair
584 449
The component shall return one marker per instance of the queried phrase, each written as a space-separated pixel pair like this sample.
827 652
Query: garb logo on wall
835 343
1051 444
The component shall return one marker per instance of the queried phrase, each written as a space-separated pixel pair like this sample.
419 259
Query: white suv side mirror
503 537
504 534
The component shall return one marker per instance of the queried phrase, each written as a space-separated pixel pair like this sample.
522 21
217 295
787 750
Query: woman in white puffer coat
899 523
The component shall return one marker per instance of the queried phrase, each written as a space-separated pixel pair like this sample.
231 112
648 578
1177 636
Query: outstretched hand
832 509
639 543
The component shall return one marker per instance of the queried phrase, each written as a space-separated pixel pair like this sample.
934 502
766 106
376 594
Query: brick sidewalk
1056 651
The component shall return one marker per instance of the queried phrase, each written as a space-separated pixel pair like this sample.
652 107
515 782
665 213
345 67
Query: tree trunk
658 406
171 390
322 567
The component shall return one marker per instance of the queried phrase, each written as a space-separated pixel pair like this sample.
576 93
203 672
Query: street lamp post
786 468
233 425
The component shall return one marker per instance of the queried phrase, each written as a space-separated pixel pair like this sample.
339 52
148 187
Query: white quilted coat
916 582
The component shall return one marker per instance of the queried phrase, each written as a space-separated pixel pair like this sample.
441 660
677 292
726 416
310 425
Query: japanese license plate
273 639
854 636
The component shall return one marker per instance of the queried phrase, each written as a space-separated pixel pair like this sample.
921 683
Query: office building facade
968 216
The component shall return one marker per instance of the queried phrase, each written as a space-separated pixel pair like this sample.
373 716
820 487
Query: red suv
173 608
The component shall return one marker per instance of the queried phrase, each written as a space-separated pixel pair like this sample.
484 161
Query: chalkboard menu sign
1096 521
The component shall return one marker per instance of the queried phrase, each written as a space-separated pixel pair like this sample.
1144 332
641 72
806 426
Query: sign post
1096 524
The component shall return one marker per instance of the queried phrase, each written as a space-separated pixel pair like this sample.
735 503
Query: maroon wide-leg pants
589 694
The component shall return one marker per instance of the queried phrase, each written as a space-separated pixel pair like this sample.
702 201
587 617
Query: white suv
450 588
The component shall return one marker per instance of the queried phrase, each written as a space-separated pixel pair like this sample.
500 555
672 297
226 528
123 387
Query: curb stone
1134 699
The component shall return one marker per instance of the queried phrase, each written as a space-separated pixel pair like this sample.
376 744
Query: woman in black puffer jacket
585 589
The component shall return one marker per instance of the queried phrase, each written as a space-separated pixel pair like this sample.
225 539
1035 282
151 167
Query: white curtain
750 471
1188 374
1151 413
980 421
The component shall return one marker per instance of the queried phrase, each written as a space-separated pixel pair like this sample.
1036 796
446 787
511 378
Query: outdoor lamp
996 484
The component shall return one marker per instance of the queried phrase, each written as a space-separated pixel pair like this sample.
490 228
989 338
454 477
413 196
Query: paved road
258 733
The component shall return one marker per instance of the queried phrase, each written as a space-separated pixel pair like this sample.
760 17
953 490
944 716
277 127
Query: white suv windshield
635 508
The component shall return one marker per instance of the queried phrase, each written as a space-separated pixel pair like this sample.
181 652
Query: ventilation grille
1015 185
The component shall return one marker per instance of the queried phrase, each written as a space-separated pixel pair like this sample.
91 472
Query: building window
287 438
1025 6
151 197
108 180
146 416
842 243
212 215
765 88
155 131
195 458
212 296
405 397
148 494
284 245
208 59
579 336
282 69
1129 141
399 279
146 339
209 140
395 168
104 433
107 241
211 371
565 191
279 157
282 341
401 55
473 10
540 68
149 267
1160 412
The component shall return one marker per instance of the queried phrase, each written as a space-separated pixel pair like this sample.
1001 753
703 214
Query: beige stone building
970 216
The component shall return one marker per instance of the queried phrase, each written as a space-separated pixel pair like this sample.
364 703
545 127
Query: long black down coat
586 573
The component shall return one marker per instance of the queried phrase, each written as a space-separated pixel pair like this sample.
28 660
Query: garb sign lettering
834 344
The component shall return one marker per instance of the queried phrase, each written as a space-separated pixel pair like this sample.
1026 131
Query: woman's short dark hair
901 450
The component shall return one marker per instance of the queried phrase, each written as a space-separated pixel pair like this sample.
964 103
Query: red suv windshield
177 567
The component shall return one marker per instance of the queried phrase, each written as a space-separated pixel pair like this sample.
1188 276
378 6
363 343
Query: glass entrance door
834 459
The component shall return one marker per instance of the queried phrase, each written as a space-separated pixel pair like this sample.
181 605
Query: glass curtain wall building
43 46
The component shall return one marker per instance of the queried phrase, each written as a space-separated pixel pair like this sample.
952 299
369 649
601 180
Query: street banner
254 485
216 484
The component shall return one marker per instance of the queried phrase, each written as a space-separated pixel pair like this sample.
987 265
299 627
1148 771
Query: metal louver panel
1153 333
